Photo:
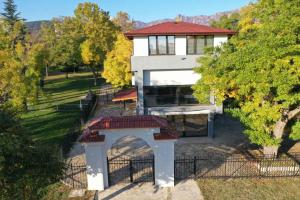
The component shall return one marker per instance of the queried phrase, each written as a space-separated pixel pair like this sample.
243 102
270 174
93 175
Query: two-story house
162 65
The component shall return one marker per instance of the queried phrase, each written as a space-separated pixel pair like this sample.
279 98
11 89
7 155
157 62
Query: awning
127 94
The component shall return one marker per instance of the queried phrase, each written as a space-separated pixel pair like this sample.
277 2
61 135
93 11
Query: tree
18 78
99 34
10 13
117 69
67 47
25 167
123 20
258 71
227 21
47 37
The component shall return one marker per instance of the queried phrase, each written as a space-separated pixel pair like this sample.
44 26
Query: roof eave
131 35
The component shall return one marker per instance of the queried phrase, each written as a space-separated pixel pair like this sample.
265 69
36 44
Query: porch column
139 82
210 126
96 168
164 163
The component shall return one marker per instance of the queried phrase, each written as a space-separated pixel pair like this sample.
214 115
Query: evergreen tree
10 13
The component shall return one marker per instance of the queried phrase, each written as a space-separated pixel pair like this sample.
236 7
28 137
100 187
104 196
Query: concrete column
164 163
211 118
139 82
96 168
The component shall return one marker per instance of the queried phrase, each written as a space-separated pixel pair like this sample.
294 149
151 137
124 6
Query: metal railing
237 166
169 100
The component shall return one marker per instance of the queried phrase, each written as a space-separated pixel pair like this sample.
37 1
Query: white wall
97 163
170 77
220 39
180 45
96 169
140 46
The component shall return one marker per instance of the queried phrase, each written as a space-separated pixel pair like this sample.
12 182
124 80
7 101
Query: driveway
185 190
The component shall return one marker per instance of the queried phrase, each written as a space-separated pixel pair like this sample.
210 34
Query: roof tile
178 28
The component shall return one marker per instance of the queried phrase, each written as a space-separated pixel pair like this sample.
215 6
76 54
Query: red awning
127 94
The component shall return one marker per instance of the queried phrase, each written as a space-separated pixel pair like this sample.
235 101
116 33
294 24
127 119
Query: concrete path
186 190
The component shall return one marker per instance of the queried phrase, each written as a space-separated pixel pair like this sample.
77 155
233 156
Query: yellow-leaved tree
117 69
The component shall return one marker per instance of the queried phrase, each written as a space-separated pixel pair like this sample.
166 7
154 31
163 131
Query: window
161 45
168 96
197 44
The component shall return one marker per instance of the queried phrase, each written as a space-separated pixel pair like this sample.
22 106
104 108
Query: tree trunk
47 71
278 130
95 76
67 75
282 122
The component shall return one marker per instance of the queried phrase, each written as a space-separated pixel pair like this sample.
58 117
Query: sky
142 10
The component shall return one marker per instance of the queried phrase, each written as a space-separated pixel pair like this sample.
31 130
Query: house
162 65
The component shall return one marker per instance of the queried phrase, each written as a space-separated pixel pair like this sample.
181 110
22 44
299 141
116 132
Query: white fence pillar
95 162
164 163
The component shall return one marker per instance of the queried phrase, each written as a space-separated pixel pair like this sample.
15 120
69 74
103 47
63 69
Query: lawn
245 189
47 125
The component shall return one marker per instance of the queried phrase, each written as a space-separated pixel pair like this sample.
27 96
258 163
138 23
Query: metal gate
130 170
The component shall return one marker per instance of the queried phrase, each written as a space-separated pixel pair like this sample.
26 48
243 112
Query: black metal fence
133 170
75 176
106 93
237 166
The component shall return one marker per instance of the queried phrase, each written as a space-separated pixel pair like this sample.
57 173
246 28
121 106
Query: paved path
186 190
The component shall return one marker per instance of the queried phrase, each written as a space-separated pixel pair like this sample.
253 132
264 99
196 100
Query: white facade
96 153
170 77
220 39
140 46
180 45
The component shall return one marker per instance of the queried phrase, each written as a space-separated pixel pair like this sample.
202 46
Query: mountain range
34 26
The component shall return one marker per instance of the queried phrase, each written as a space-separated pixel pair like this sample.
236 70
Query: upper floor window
161 45
196 44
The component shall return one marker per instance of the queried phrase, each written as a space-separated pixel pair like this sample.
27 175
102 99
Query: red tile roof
166 134
142 121
138 121
178 28
91 136
128 94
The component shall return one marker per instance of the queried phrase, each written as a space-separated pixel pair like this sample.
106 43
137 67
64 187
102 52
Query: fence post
131 171
195 167
106 97
153 169
73 184
108 172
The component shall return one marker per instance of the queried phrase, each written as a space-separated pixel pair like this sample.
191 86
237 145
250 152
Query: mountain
199 19
34 26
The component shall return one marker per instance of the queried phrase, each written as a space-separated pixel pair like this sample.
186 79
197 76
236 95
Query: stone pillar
96 168
164 163
211 118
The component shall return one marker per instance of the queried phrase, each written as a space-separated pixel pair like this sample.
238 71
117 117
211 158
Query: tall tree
117 69
258 69
123 20
10 14
99 34
67 48
47 37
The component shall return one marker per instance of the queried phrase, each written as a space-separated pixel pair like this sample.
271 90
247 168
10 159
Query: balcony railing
169 100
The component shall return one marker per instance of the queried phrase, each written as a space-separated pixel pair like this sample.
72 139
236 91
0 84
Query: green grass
59 191
44 122
246 189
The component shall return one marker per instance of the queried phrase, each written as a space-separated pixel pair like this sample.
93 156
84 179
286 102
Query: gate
130 170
